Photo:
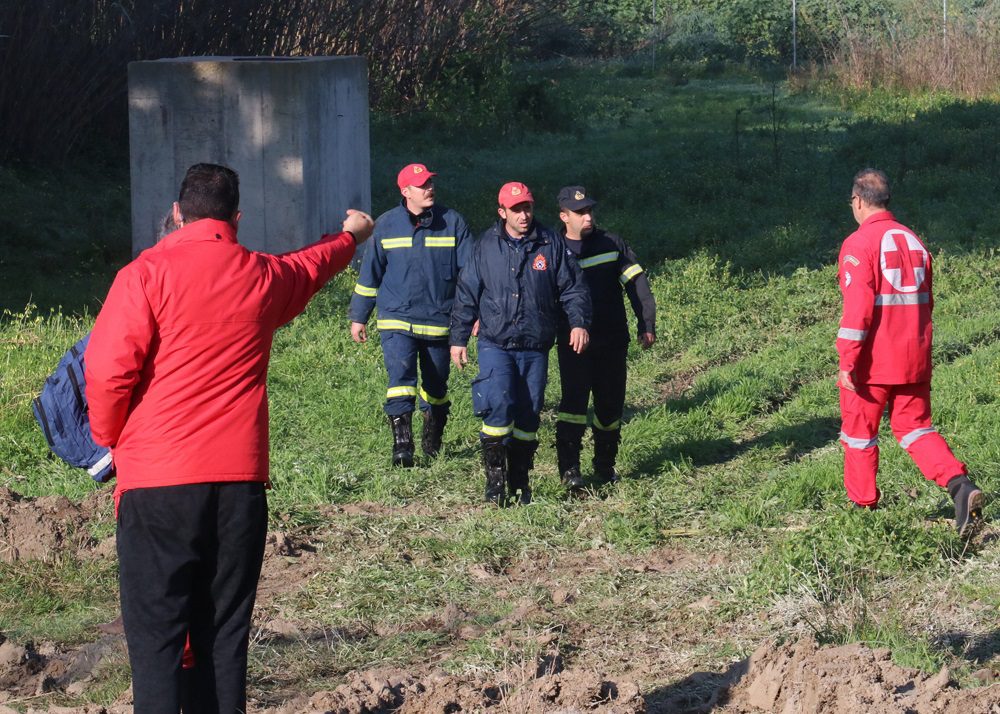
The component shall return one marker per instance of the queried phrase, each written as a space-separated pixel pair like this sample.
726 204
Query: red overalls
885 342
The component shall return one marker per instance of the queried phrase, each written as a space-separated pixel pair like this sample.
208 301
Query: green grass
734 194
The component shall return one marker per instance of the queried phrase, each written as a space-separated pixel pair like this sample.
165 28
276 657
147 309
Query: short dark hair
209 191
872 187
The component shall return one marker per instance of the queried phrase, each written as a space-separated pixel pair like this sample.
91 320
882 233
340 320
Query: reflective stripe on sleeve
848 334
629 273
404 242
859 443
903 299
525 435
573 418
496 430
908 440
599 259
434 400
364 291
400 392
439 241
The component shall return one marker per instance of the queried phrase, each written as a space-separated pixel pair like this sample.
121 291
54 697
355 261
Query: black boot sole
404 460
974 521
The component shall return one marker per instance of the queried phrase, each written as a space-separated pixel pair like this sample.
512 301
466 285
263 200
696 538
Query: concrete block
295 129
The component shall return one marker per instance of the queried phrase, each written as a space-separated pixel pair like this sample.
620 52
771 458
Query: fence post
795 39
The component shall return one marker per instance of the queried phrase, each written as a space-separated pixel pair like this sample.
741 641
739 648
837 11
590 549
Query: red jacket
177 362
885 329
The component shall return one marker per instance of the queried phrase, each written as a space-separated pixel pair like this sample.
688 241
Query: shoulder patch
852 260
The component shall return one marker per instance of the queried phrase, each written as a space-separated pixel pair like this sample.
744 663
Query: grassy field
731 525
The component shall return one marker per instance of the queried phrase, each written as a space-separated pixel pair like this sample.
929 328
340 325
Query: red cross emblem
903 260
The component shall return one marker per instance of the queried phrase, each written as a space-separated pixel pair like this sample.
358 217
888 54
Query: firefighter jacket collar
532 236
419 220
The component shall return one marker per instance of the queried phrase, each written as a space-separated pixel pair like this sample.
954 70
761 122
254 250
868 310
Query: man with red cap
612 271
884 343
519 283
408 272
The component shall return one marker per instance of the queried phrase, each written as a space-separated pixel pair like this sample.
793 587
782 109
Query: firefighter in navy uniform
519 282
610 269
409 272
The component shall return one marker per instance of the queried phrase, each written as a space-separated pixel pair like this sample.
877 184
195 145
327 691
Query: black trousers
190 557
600 371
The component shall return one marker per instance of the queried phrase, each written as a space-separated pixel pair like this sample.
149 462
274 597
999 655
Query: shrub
63 62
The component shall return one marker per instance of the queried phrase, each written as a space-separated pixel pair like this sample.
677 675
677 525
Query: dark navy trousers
509 390
402 352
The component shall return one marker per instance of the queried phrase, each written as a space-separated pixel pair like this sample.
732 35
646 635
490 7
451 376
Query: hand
359 332
360 224
579 338
646 340
845 381
475 328
460 356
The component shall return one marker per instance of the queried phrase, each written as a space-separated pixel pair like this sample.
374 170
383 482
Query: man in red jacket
176 376
884 343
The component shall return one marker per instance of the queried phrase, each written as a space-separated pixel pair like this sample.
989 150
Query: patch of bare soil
679 385
545 569
29 671
384 691
803 677
289 560
44 528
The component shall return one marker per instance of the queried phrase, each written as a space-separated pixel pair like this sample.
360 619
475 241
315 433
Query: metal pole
656 35
944 22
795 40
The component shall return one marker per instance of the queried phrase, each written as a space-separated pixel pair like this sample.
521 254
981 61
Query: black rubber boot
605 455
495 466
434 420
402 439
521 457
568 457
968 500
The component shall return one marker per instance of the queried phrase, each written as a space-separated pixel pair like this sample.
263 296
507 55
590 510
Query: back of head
209 191
872 187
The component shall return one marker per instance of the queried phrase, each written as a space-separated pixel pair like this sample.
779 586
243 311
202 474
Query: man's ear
236 219
178 216
563 216
502 212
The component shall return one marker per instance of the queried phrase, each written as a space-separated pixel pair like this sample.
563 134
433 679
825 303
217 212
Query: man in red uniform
884 345
176 374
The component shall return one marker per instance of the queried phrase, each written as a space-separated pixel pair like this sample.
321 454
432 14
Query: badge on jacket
540 263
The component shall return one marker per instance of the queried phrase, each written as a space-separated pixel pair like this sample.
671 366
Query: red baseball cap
514 193
413 175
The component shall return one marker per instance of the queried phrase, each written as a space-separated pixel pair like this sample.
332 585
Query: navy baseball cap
574 198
